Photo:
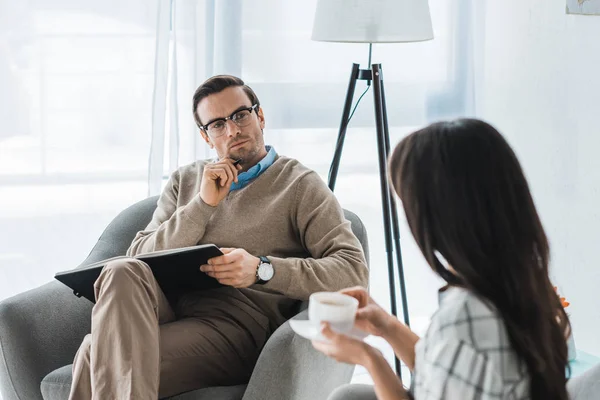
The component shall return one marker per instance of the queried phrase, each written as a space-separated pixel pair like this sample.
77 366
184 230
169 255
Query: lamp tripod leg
394 212
386 198
390 213
335 163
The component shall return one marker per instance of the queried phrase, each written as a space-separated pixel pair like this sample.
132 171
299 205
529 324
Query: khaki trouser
141 348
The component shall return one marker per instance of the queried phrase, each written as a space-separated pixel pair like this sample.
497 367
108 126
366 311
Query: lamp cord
338 146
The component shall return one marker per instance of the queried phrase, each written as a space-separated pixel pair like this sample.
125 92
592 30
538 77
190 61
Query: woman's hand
346 349
343 348
370 317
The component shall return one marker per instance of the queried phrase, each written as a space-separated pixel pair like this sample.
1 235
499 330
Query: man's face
245 143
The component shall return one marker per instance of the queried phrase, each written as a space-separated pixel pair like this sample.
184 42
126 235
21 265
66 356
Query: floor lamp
374 21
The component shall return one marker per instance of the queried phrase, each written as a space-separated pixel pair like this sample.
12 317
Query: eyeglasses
218 127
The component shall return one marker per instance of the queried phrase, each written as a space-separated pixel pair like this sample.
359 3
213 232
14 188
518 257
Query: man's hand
236 267
217 179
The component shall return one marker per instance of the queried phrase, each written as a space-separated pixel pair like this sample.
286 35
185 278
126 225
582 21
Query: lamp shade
372 21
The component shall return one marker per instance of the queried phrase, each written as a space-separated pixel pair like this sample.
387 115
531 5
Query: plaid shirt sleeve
466 354
452 369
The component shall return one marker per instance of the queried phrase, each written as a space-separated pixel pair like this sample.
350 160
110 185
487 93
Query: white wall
541 88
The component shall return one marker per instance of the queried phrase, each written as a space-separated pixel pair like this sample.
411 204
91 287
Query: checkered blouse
466 354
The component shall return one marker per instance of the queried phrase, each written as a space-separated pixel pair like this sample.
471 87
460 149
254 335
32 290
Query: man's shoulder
291 169
291 165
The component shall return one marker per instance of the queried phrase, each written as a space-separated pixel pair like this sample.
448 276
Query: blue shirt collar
246 177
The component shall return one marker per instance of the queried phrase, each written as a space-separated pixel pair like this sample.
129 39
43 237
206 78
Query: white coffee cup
336 308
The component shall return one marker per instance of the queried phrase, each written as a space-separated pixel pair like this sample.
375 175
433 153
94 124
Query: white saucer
307 329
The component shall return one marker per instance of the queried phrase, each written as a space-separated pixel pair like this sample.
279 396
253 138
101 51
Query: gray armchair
41 330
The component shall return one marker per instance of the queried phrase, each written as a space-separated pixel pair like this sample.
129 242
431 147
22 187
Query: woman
499 332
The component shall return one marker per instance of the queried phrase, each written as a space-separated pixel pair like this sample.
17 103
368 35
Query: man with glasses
283 235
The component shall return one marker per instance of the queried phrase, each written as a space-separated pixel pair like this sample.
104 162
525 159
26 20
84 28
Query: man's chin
242 154
237 155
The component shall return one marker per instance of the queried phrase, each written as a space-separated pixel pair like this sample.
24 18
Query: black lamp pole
390 212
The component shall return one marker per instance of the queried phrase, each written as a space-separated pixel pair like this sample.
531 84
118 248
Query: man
283 235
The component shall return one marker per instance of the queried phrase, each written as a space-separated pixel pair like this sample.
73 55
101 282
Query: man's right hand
217 179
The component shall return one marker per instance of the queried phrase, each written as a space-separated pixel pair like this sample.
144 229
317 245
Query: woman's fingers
364 313
327 332
359 293
322 347
341 347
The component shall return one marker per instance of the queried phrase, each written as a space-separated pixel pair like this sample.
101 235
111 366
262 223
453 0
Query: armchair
41 330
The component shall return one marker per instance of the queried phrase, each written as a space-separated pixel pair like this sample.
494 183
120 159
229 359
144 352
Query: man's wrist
257 264
206 202
264 270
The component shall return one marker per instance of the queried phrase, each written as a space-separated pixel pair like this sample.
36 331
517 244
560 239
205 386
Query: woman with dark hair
499 332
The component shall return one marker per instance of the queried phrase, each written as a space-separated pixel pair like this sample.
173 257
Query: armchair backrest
119 234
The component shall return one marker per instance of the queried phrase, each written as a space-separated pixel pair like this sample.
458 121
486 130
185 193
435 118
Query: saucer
311 331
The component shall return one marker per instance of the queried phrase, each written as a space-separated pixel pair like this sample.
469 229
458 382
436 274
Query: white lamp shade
372 21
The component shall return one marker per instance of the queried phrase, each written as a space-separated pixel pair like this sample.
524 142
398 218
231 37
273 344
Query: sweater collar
246 177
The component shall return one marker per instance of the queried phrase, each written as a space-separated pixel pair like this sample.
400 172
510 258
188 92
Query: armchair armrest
290 368
40 330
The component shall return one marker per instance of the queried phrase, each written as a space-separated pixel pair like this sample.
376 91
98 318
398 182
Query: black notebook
176 271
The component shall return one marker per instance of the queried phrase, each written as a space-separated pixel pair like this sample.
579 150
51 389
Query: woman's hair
465 196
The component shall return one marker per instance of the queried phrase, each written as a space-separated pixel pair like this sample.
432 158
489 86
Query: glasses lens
216 128
241 117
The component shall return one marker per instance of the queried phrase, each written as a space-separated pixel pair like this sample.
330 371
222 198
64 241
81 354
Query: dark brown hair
466 197
217 84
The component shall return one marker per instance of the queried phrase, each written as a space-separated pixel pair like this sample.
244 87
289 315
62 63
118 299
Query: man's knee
127 267
120 276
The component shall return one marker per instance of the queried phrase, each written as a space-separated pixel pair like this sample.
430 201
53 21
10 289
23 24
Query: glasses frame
230 118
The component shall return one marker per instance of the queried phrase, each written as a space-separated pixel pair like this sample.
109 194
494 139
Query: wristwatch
264 271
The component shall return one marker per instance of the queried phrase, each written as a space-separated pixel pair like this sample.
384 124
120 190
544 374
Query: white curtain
76 84
95 112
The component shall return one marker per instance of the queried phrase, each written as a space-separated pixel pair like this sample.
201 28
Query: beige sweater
287 214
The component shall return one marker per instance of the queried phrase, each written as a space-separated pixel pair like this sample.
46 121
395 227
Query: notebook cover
176 271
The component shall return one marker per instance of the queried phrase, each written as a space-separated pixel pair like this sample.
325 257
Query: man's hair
217 84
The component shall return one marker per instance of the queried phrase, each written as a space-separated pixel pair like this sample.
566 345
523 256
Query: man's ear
261 118
206 139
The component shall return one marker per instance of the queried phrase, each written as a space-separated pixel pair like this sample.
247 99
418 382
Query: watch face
265 271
